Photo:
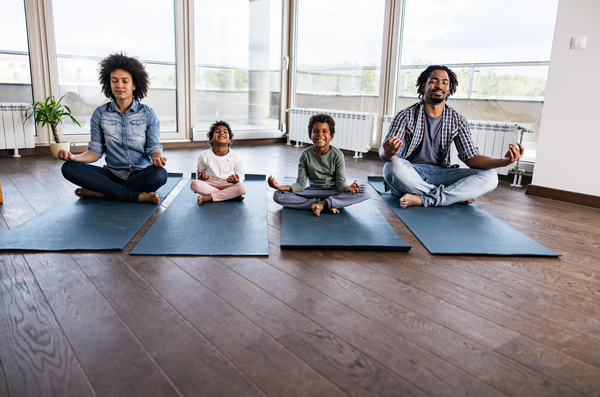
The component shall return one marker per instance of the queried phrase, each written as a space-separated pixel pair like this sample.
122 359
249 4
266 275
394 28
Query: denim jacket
128 140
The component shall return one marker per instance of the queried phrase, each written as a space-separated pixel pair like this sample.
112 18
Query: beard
436 99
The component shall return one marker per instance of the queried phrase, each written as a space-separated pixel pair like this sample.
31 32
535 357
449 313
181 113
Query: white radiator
385 128
353 130
491 137
13 133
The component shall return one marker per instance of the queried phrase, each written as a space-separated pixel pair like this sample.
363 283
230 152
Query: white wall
568 156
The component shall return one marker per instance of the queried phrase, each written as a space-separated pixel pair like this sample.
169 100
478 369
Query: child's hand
354 188
273 183
202 176
233 178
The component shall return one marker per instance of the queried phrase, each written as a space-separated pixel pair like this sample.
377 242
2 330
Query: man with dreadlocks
416 149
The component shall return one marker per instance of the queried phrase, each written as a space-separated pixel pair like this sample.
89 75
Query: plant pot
55 147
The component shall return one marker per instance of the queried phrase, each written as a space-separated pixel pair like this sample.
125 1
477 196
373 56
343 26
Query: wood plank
36 357
548 273
3 389
549 311
502 374
268 364
113 359
546 360
193 364
15 209
350 369
575 344
55 184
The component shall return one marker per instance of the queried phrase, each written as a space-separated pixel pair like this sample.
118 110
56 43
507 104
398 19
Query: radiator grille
354 130
13 134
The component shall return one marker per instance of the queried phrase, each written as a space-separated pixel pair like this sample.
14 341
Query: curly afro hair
134 67
321 118
427 72
211 132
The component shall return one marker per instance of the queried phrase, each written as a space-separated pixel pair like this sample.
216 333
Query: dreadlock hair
132 66
422 79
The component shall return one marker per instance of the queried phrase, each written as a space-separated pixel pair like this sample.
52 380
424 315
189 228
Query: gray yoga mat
213 228
89 224
461 229
357 227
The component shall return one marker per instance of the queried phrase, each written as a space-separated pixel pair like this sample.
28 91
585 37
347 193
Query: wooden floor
300 323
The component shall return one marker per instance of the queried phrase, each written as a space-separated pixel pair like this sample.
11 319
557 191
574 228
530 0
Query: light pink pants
218 191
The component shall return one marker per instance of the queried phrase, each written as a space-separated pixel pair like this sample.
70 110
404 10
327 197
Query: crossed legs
210 191
319 200
101 182
433 186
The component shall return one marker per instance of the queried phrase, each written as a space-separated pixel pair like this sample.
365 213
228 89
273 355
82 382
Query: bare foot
410 200
238 198
83 193
318 207
151 197
466 202
332 210
204 198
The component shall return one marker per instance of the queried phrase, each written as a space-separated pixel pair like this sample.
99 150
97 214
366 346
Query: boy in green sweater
324 167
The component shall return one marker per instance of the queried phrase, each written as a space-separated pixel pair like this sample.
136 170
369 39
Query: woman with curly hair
127 132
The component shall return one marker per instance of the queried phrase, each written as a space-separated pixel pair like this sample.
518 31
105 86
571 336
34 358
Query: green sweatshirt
326 171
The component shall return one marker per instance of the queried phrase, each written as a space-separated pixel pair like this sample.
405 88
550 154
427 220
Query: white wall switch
578 42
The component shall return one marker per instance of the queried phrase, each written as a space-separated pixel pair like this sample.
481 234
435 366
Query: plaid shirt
409 125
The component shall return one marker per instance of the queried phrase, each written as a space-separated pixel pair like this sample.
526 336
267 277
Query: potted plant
51 112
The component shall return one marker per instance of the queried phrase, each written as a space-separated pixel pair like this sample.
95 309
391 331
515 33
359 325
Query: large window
15 75
338 55
500 52
238 58
86 32
347 55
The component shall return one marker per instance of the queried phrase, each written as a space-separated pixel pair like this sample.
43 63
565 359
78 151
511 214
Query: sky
330 32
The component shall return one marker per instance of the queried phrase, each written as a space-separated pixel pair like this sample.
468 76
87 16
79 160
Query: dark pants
102 180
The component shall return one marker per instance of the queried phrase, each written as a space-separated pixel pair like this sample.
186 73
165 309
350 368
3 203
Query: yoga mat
89 224
212 228
357 227
461 229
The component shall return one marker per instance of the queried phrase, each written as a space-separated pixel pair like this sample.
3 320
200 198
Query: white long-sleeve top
219 168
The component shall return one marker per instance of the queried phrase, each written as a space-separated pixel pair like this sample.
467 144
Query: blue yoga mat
213 228
461 229
357 227
89 224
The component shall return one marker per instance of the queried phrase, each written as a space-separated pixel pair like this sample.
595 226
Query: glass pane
15 75
238 58
338 54
86 32
499 51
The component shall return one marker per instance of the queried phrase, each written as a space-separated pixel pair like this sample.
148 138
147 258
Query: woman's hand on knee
64 155
159 161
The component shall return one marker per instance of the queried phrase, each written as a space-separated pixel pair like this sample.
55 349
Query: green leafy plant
50 112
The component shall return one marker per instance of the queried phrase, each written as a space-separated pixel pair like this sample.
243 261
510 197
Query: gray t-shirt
429 151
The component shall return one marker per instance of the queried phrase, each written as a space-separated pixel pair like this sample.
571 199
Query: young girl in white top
220 170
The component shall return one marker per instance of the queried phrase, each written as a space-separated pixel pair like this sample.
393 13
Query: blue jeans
436 185
102 180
